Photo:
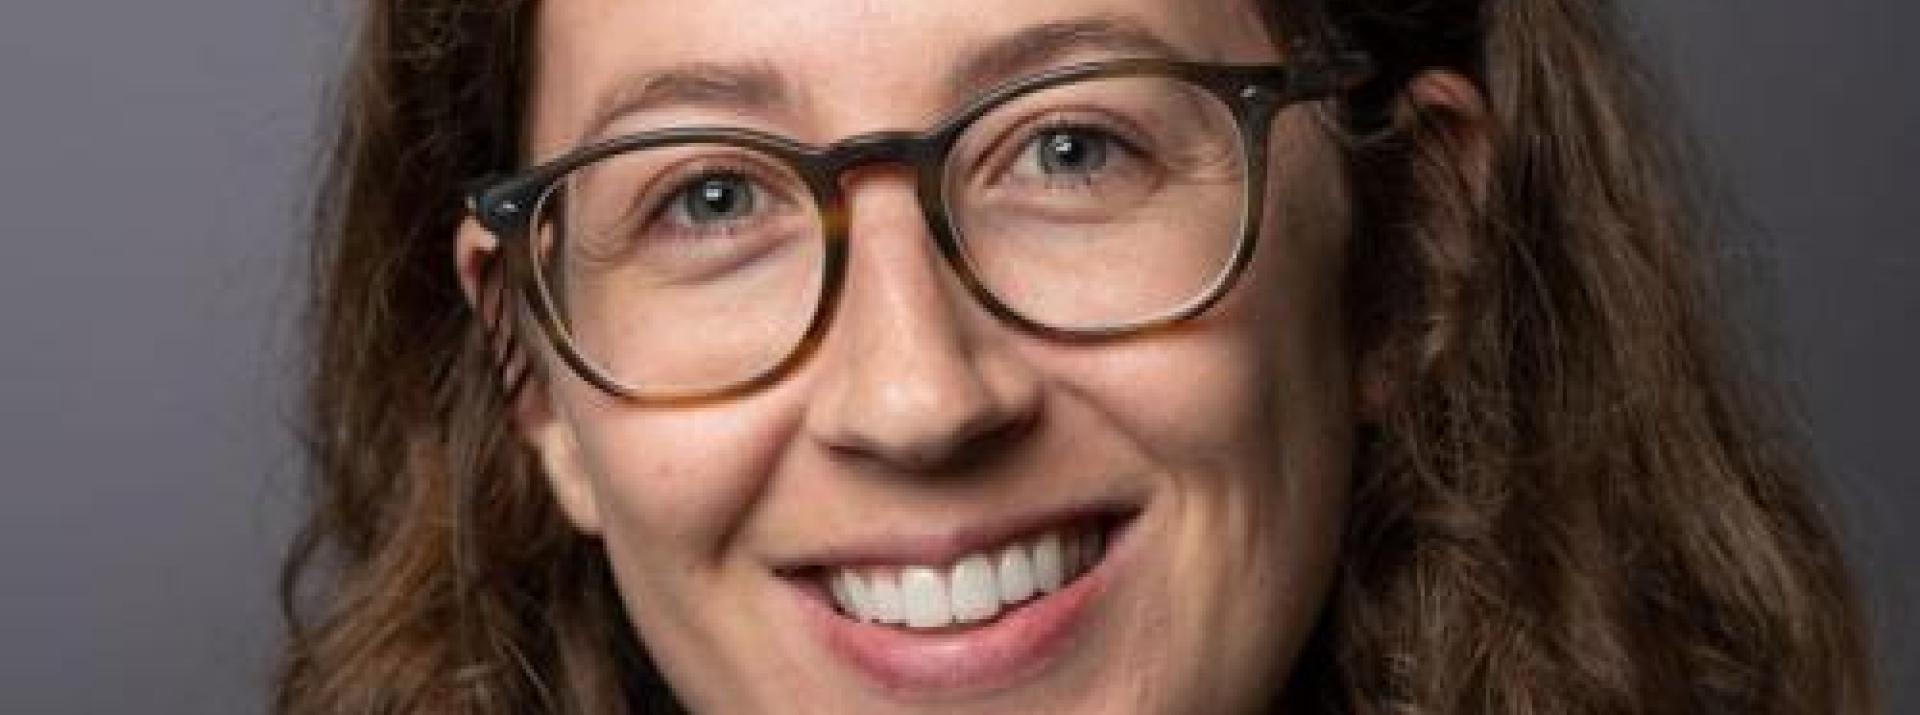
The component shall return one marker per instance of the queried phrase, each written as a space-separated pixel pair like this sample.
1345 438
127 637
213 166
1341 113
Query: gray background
152 161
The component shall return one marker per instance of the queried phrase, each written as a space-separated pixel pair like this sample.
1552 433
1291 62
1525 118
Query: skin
921 413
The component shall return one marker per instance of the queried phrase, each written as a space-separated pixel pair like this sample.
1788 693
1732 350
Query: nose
914 377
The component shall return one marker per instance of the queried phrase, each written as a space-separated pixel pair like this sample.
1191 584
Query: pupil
718 198
1068 151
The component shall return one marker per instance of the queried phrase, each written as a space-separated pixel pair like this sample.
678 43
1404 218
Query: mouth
972 590
929 618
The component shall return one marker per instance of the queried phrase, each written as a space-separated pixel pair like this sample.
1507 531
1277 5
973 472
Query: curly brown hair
1580 499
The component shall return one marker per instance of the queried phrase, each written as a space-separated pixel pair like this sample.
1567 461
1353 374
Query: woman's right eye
713 201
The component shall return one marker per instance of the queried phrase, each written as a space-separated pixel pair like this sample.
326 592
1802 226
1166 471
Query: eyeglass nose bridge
914 149
920 152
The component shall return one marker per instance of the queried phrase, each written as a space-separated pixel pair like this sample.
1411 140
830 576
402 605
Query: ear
544 429
1449 125
1455 125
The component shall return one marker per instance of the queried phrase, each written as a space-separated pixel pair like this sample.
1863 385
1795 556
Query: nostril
934 432
920 409
979 441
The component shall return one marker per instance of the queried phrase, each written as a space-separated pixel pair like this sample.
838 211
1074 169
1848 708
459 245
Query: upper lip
927 546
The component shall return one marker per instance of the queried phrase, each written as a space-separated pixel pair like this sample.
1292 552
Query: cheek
1265 413
1296 321
673 486
1266 372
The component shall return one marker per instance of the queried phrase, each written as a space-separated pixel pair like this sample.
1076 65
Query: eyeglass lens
1084 206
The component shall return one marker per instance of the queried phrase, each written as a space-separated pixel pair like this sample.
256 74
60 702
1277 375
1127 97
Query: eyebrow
1033 48
758 87
752 86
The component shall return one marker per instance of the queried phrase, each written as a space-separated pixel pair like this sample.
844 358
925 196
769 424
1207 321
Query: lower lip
935 666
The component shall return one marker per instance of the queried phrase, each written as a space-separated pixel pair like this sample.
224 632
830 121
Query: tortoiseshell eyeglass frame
510 205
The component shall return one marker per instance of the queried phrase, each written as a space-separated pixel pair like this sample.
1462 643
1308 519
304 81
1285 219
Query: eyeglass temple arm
1338 73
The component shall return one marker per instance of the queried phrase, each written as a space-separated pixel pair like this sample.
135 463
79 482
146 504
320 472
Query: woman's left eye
1072 151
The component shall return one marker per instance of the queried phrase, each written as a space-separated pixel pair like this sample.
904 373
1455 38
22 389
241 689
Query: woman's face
1187 484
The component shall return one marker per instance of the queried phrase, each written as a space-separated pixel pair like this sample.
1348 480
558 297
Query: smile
969 612
974 589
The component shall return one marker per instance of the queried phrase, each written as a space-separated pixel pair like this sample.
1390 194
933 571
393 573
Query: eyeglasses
1090 202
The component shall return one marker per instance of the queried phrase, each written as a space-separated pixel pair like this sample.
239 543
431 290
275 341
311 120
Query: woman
1003 356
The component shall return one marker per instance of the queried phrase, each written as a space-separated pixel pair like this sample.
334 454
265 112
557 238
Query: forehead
820 64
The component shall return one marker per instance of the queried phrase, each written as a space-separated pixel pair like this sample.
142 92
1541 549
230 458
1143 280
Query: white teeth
883 599
1049 564
842 586
975 595
925 594
1015 575
837 585
973 589
856 588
